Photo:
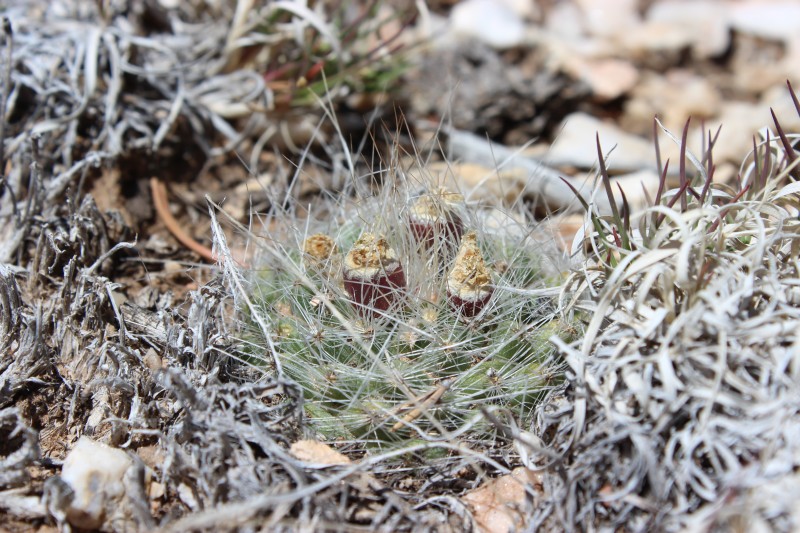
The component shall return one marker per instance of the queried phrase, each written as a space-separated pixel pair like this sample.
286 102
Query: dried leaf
499 505
312 451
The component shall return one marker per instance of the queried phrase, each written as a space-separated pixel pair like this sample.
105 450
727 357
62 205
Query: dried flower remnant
469 283
319 247
434 215
373 274
322 255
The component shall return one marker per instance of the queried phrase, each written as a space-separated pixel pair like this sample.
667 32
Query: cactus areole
469 286
372 274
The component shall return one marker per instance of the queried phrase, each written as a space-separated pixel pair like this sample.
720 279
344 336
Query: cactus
400 340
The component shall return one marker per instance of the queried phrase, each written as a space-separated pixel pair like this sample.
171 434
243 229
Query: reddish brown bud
434 215
372 274
469 283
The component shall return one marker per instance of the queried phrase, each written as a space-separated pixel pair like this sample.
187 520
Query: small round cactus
380 344
372 274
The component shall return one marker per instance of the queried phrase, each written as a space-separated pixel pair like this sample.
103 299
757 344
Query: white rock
634 185
491 21
644 40
740 121
528 9
186 494
674 97
779 99
575 146
609 18
704 24
609 78
565 20
95 472
770 20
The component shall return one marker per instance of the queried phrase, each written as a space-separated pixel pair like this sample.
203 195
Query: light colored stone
740 121
528 9
96 472
778 20
634 186
674 97
565 20
523 177
575 146
187 496
609 78
702 24
755 78
654 42
609 18
479 183
564 228
490 21
779 99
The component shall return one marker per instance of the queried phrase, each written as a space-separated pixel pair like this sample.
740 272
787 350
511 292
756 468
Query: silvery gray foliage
84 86
682 401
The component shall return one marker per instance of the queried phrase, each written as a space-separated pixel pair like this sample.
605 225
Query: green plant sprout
397 327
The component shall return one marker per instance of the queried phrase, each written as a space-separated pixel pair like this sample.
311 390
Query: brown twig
423 402
159 192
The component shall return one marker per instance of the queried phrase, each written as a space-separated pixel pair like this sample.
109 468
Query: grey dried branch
10 308
20 448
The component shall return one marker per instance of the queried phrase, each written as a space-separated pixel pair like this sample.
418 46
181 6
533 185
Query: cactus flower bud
372 274
435 215
469 282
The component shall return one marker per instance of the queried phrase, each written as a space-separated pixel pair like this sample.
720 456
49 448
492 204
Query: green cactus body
420 367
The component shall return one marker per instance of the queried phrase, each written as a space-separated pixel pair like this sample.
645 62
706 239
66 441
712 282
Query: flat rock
609 18
575 146
493 22
634 186
703 25
565 20
655 45
740 121
770 20
674 97
608 78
